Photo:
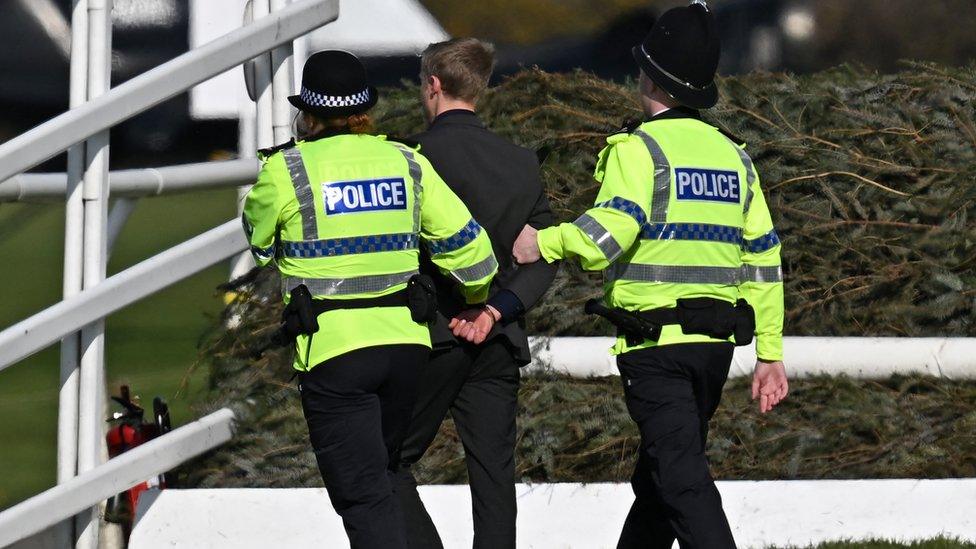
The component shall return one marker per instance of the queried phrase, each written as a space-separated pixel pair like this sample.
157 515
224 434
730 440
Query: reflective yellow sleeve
608 229
458 245
262 210
762 286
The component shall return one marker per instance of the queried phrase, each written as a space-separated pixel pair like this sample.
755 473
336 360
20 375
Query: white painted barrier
857 357
41 187
118 474
556 516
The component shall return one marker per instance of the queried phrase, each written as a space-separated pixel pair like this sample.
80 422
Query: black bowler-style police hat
681 53
334 85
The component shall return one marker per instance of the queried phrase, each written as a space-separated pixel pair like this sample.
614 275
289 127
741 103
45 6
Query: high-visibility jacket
680 214
345 215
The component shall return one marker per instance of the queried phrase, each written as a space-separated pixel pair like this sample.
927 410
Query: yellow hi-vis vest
345 215
680 214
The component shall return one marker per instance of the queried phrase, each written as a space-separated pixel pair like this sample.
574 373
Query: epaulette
628 126
412 143
266 153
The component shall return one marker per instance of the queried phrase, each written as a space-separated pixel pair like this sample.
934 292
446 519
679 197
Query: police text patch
711 185
368 195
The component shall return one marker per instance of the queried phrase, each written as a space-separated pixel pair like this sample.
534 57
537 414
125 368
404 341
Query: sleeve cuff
508 304
550 244
770 349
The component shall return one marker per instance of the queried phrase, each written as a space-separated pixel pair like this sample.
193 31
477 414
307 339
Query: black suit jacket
499 183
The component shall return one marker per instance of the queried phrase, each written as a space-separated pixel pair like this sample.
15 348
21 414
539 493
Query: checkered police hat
334 84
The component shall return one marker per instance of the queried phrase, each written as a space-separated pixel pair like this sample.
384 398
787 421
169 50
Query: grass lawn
937 543
149 345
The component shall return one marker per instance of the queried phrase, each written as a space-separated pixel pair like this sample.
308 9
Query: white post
281 84
74 226
246 147
262 85
91 400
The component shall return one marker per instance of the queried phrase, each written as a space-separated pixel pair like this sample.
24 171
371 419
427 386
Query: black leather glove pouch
745 323
422 298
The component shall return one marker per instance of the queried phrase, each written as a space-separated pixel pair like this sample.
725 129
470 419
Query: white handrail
163 82
856 357
137 182
50 325
118 474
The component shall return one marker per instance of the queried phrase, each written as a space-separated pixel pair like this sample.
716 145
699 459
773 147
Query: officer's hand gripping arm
458 245
610 228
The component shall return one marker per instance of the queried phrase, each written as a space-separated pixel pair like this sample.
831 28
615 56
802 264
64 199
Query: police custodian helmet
334 85
681 53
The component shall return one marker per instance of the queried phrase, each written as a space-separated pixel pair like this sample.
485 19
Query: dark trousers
357 406
671 393
479 385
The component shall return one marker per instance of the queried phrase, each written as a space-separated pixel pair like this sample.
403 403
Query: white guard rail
857 357
161 83
50 325
117 475
41 187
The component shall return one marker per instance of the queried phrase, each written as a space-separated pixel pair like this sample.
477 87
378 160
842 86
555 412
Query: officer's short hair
463 66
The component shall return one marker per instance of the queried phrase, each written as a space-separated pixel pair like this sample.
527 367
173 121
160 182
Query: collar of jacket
463 117
676 112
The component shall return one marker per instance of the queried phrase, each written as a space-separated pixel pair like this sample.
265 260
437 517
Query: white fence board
857 357
556 516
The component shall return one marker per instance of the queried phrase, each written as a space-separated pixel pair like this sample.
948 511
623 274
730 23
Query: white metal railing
856 357
161 83
40 187
117 475
50 325
90 228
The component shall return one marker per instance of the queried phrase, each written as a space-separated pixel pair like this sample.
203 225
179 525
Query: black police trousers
479 386
357 406
671 393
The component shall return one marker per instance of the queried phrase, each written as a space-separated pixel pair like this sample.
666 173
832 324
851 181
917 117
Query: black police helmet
681 53
334 85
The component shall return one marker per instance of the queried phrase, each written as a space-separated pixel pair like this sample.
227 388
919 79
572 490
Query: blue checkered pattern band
350 246
692 231
456 241
263 253
319 100
626 206
761 244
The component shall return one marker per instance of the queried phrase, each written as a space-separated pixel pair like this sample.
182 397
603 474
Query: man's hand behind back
474 325
769 384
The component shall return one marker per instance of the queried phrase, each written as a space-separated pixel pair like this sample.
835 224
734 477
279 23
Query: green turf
149 345
937 543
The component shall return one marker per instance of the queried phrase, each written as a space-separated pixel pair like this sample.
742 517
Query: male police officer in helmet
682 229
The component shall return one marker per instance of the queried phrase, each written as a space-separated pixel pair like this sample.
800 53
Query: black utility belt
701 316
300 316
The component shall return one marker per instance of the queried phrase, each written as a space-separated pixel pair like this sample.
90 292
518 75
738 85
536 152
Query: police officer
682 230
341 213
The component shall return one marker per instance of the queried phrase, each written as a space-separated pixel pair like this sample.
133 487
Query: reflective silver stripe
662 179
348 286
751 273
600 236
683 274
477 271
750 174
416 174
676 274
303 191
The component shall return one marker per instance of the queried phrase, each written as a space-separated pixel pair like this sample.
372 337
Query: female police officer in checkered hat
341 214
